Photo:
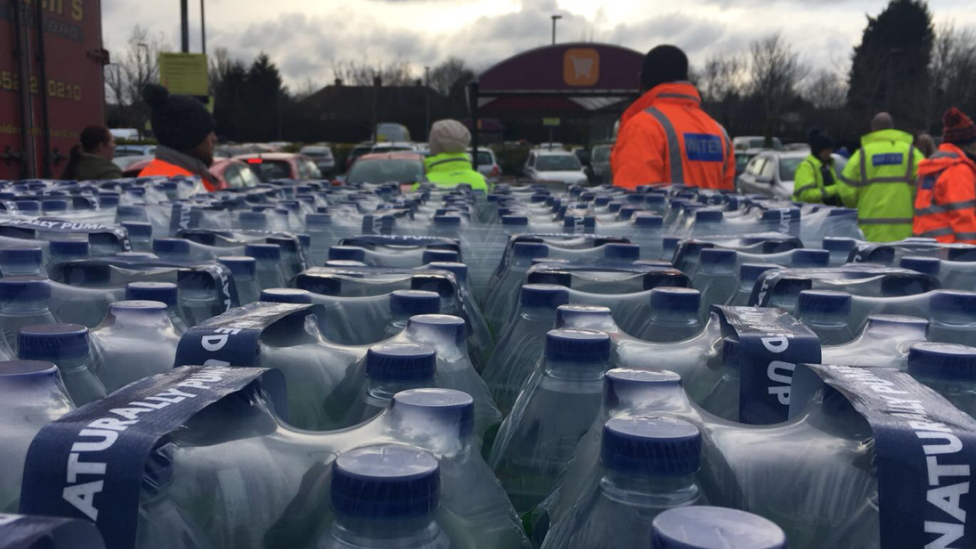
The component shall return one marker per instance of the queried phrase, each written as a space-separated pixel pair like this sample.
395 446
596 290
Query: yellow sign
551 122
184 73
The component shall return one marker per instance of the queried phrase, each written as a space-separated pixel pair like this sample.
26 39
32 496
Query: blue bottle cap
347 253
578 316
401 363
285 295
648 220
924 265
27 369
165 292
304 240
703 527
578 346
54 205
670 243
709 216
138 229
942 361
239 265
601 200
807 258
448 256
752 271
621 252
137 307
447 220
318 220
24 288
651 446
70 247
515 220
263 251
543 295
385 482
717 257
898 322
460 270
967 254
131 211
439 285
286 244
837 244
407 303
824 302
21 256
530 250
675 300
171 246
52 342
614 207
953 302
627 212
254 217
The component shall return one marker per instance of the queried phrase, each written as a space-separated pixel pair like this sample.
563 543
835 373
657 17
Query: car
771 173
550 146
404 167
122 151
554 165
359 150
234 174
600 164
391 131
392 146
487 163
126 162
583 154
746 142
742 159
322 156
272 166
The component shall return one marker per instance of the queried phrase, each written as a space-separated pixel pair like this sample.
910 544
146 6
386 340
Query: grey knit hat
449 136
179 122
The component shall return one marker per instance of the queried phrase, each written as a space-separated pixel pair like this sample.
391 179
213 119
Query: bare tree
445 76
826 90
305 89
363 73
135 67
953 70
722 78
776 73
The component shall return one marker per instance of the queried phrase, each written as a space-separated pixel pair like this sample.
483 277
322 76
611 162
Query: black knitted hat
820 141
179 122
664 64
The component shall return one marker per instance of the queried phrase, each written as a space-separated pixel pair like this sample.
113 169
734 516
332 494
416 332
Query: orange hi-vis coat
945 204
665 137
160 167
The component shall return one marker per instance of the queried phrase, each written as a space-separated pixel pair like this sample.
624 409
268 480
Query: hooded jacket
945 208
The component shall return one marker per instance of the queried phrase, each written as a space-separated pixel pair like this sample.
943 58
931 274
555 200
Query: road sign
551 122
184 73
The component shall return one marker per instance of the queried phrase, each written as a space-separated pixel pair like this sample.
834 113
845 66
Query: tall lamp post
554 19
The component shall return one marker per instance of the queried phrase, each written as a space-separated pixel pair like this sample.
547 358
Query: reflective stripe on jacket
665 137
160 167
808 183
879 180
945 208
451 170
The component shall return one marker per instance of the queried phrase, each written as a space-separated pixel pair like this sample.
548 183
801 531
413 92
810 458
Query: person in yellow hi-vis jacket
879 180
815 181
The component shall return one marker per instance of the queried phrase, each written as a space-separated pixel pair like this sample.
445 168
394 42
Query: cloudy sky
306 37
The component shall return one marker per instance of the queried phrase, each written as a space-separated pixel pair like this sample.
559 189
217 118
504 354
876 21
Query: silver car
554 165
600 164
487 163
322 156
771 173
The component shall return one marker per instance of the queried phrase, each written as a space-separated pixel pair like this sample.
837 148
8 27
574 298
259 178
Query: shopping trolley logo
581 67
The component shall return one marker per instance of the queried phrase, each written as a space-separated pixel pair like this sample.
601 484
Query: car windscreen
316 152
787 168
557 163
601 154
269 170
386 170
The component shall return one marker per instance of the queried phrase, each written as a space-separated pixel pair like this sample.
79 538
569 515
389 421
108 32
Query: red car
272 166
231 173
405 168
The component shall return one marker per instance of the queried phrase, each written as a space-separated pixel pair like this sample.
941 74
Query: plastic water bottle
647 466
285 295
407 303
166 293
535 444
66 345
839 248
385 496
131 214
347 253
809 259
254 221
952 317
268 269
443 256
749 274
136 340
291 259
674 315
319 228
391 368
23 302
244 270
703 527
140 236
715 278
925 265
171 249
826 313
62 251
949 370
24 261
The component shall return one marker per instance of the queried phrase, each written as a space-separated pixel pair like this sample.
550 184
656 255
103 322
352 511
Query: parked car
234 174
359 150
554 165
771 173
134 150
272 166
551 146
742 159
487 163
322 156
391 131
392 146
396 167
600 164
583 154
746 142
126 162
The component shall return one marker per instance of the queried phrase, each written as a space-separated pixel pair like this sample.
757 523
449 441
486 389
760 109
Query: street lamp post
203 30
554 19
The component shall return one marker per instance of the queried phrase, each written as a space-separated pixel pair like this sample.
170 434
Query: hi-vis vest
945 208
161 167
879 180
451 170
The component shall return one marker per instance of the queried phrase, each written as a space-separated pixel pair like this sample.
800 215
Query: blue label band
924 451
770 345
771 284
703 147
19 531
28 228
889 159
90 463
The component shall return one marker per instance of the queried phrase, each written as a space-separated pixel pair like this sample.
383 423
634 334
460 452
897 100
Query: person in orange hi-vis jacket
945 205
666 137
